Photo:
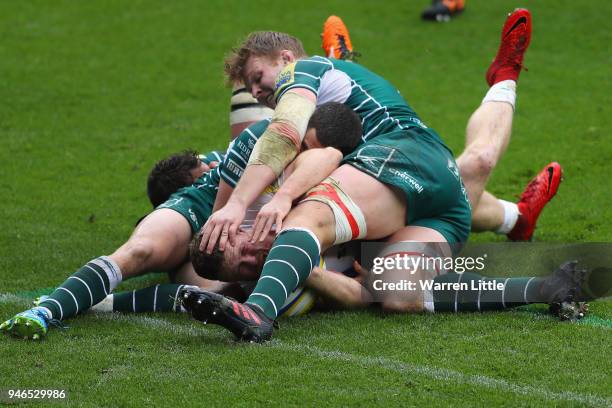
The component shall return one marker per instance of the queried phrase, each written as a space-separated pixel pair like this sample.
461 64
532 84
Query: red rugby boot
515 39
540 190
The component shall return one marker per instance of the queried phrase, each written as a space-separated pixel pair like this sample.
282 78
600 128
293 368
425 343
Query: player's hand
206 167
222 224
272 213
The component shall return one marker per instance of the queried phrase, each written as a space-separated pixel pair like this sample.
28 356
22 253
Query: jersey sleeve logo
285 78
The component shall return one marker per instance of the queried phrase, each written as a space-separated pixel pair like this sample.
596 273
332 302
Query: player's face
245 259
310 140
260 76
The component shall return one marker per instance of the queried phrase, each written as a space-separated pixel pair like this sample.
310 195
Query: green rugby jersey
378 103
213 156
239 151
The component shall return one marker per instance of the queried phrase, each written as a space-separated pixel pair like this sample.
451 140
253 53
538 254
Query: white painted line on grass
153 323
10 298
367 361
448 375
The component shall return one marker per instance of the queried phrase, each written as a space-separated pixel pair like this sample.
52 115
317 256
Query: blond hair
259 43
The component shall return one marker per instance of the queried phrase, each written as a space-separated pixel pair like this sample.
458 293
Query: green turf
93 93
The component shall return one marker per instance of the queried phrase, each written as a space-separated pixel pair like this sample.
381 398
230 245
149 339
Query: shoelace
53 322
344 51
58 323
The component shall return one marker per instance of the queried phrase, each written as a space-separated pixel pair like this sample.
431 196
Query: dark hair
209 266
337 126
170 174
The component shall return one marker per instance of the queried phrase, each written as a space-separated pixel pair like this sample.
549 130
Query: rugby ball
299 302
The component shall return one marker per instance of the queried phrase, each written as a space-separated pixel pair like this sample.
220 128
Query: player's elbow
333 156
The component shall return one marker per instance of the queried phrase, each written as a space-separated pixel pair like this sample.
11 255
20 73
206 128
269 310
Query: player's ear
287 56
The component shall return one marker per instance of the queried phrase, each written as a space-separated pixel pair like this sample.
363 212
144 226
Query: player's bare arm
310 168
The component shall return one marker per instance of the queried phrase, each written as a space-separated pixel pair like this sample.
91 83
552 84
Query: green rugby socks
158 298
85 288
481 293
290 260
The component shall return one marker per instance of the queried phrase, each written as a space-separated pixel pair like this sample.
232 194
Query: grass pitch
93 93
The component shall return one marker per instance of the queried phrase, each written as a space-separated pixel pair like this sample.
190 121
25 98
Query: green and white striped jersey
378 103
239 151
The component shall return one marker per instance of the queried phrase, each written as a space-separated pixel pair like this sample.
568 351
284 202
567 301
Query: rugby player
160 241
401 162
487 139
565 289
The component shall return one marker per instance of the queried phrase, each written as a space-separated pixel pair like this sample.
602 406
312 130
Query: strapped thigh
349 219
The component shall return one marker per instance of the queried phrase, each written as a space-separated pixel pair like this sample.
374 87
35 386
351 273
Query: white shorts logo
193 217
452 167
373 158
411 181
171 202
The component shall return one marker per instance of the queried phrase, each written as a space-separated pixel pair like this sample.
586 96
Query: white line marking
73 298
58 305
297 283
368 361
99 276
525 292
278 280
155 297
504 293
446 375
294 247
269 299
457 292
10 298
87 286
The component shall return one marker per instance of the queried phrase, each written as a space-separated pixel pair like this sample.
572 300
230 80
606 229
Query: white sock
112 270
105 306
503 91
511 213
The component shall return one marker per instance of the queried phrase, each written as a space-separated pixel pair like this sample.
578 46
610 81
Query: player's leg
158 243
474 292
340 209
489 128
157 298
314 226
479 293
491 213
412 243
487 137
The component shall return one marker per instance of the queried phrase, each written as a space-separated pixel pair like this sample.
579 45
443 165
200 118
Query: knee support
349 219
